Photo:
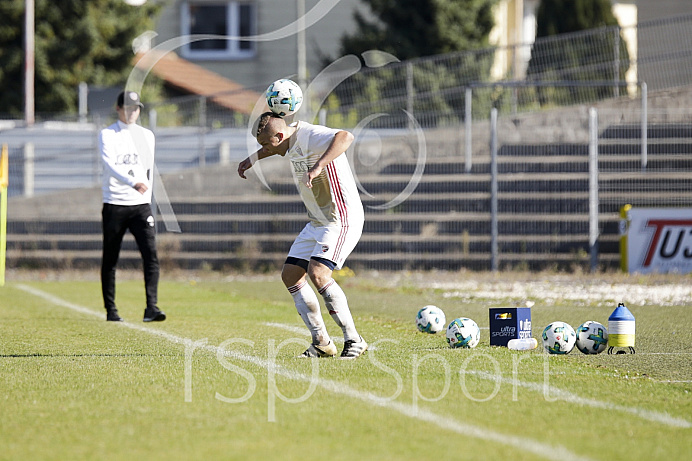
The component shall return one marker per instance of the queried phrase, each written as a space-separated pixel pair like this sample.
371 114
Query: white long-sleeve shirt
127 154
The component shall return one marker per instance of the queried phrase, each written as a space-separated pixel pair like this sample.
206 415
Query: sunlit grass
76 387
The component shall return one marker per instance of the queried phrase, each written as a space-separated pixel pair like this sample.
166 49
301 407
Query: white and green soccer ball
559 338
463 333
284 97
430 319
592 337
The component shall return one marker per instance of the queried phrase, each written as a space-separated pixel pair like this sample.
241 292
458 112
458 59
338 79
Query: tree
593 51
434 38
414 28
555 17
75 41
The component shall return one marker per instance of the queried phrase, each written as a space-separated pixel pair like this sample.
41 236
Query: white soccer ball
430 319
284 97
559 338
463 332
592 337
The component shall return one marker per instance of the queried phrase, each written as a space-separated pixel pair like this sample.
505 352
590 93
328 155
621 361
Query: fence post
224 153
97 157
153 119
468 121
29 169
644 126
593 187
616 61
202 129
493 191
83 91
409 93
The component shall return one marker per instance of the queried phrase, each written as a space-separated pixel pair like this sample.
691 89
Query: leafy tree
555 17
581 55
75 41
412 29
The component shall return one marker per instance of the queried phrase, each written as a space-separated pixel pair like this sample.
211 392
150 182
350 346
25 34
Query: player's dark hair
263 121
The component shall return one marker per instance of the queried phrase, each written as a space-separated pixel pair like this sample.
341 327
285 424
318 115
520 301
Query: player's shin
308 308
335 300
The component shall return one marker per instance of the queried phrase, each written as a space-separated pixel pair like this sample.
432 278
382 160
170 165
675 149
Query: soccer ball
592 337
430 319
284 97
463 332
559 338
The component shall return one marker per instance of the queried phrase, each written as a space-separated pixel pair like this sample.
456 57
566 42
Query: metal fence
557 203
604 63
445 185
544 191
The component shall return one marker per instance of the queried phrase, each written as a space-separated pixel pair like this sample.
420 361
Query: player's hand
141 187
243 167
311 174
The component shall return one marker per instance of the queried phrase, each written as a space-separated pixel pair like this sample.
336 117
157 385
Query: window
229 18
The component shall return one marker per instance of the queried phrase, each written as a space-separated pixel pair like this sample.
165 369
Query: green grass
76 387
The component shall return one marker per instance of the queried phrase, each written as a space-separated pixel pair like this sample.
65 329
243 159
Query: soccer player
330 194
127 152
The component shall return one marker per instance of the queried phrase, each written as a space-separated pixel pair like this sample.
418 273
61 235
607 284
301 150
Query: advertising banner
656 240
509 323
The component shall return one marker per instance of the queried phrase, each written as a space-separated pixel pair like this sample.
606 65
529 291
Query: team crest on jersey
325 248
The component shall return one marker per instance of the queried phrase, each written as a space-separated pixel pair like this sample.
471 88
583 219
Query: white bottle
524 344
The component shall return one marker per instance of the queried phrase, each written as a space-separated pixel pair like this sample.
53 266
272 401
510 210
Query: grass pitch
220 379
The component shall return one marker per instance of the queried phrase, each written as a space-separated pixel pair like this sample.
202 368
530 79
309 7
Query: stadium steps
654 131
444 223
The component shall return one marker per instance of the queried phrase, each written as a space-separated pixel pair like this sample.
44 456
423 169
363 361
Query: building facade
273 50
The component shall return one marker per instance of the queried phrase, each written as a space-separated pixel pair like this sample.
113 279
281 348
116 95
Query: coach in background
127 152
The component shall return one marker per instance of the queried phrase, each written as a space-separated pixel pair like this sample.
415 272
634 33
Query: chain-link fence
443 187
529 206
577 68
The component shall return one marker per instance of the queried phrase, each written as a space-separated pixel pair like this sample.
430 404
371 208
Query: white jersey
127 154
333 198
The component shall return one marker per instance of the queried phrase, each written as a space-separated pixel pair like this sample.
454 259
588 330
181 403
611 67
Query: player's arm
341 142
251 160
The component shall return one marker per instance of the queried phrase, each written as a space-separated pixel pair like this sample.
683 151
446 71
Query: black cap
129 98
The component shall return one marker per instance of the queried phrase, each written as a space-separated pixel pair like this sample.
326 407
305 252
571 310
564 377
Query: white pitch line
664 353
559 394
554 392
443 422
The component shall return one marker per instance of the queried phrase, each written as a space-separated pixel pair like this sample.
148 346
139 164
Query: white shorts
334 243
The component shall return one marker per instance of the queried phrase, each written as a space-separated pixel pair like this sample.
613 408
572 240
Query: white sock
336 302
308 308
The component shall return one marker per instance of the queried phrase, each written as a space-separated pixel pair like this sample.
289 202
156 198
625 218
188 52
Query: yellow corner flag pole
4 181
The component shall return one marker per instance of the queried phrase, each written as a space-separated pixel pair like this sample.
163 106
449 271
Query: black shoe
112 316
354 349
154 314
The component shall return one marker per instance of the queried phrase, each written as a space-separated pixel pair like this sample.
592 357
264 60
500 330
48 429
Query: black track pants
139 220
